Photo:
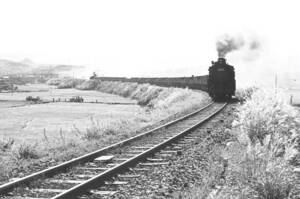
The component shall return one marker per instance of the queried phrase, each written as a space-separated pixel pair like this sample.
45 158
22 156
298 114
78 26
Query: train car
193 82
221 80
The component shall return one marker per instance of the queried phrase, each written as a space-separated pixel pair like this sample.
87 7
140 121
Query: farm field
23 120
31 122
47 93
12 103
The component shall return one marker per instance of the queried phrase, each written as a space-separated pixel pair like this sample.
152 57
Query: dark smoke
228 43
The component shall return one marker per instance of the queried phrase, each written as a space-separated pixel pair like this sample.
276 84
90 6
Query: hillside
8 67
57 69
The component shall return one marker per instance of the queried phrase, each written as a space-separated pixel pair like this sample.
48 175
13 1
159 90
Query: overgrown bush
6 144
88 85
244 94
33 99
25 151
268 122
65 82
97 131
262 153
54 81
70 83
267 147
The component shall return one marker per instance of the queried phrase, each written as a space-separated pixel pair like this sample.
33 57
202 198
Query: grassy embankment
159 103
263 154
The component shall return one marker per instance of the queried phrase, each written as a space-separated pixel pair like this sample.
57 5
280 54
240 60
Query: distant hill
8 67
27 66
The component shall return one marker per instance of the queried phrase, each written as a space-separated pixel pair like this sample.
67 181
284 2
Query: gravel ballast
198 162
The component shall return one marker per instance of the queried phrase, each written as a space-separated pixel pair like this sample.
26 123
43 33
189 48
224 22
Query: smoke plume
227 43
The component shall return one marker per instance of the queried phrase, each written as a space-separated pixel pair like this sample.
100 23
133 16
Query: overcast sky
150 38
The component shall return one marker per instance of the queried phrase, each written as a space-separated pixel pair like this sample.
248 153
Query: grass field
30 122
12 103
21 119
47 93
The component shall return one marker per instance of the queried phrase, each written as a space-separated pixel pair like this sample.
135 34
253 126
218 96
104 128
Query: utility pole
73 81
276 84
11 86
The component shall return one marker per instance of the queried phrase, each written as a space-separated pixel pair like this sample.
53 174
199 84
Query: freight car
221 80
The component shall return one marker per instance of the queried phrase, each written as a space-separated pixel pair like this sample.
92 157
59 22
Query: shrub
258 175
91 134
245 94
54 81
69 83
88 85
26 151
269 123
33 99
263 152
267 141
96 131
65 82
6 144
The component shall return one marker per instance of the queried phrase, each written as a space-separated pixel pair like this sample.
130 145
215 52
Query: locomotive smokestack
222 60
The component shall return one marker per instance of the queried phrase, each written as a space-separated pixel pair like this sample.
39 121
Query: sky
152 38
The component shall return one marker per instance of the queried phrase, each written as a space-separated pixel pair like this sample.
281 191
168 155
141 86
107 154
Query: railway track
96 172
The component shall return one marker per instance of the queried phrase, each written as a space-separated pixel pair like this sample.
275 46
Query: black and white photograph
160 99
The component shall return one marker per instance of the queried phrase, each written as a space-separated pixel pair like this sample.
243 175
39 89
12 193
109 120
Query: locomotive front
221 80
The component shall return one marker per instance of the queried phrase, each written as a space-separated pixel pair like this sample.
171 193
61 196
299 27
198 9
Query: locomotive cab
221 80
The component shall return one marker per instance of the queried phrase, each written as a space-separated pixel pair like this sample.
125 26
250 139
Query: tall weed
245 94
25 151
88 85
267 144
6 144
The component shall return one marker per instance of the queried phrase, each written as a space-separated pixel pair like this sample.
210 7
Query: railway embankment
151 96
263 154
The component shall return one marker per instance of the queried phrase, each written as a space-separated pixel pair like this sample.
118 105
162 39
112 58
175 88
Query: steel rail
7 187
100 178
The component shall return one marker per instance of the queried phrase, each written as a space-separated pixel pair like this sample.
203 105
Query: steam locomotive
221 80
219 83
